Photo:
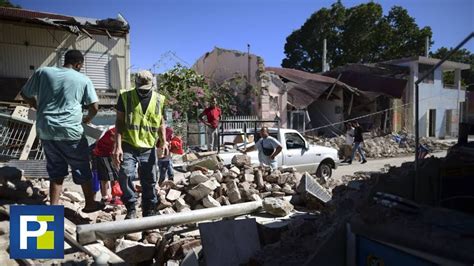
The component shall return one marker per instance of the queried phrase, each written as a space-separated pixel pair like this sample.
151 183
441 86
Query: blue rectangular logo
36 232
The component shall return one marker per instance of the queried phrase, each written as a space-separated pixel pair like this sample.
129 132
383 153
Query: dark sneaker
364 161
349 162
131 214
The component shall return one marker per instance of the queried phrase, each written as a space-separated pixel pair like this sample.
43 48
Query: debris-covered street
207 133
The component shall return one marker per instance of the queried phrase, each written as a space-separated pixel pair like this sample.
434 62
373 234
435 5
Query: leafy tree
357 34
7 3
462 56
187 92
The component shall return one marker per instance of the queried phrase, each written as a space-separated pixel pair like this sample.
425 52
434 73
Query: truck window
294 141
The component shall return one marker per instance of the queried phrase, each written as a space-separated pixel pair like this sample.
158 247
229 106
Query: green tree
7 3
186 92
461 56
357 34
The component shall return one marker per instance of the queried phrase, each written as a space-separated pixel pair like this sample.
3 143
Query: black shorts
105 169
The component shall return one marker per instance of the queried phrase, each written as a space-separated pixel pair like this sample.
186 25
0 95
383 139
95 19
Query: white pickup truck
296 152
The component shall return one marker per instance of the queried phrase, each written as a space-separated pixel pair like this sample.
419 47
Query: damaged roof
379 78
305 87
109 27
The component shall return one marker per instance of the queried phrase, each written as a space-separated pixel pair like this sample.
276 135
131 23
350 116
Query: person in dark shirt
358 139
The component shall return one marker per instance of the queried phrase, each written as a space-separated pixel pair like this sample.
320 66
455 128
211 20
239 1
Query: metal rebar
88 233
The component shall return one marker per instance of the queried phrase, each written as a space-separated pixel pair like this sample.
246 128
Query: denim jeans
166 167
146 160
359 149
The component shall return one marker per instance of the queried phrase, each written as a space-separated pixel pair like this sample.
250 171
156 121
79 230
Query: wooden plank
29 143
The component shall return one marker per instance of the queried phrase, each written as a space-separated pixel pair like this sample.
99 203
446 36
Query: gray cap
144 80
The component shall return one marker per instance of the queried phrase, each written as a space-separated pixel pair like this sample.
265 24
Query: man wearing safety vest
139 125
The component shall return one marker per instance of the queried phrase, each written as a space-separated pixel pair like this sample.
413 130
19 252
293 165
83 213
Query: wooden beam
350 104
333 86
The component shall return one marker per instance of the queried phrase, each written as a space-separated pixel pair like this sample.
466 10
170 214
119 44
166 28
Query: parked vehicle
296 152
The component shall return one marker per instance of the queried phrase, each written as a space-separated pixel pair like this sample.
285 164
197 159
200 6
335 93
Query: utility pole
427 46
324 68
248 63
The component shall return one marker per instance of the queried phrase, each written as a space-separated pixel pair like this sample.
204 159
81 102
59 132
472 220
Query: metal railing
13 136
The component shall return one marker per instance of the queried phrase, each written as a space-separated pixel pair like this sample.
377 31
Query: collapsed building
45 39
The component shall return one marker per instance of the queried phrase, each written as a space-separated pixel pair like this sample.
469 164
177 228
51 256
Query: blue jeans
359 149
146 160
166 167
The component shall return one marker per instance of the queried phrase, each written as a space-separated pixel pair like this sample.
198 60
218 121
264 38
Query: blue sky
189 28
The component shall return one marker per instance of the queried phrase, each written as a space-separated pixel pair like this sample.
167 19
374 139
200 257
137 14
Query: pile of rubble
390 145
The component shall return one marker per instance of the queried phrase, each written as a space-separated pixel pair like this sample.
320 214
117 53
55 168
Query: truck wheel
324 172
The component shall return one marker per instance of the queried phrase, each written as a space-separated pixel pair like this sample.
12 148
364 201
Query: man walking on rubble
358 139
213 114
139 122
58 94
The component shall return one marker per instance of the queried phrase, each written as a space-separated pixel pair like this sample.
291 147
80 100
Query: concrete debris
211 163
249 177
241 160
210 202
134 252
173 195
73 196
235 170
134 236
197 177
277 207
189 157
390 145
218 176
168 210
233 192
202 190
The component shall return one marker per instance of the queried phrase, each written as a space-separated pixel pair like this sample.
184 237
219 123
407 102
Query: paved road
376 164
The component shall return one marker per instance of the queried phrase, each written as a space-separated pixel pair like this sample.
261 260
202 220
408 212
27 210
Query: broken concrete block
268 187
287 189
309 185
104 217
223 200
188 157
288 169
190 246
249 177
275 188
281 180
241 160
235 170
197 177
233 192
180 204
134 252
134 236
202 190
168 210
164 204
211 162
173 195
73 196
210 202
218 176
245 185
273 177
255 197
153 238
258 175
278 194
277 207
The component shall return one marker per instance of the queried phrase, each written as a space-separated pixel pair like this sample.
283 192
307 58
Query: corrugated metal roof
16 13
113 27
305 87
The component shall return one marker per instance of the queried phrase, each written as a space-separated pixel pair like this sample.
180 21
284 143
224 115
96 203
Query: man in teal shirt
58 94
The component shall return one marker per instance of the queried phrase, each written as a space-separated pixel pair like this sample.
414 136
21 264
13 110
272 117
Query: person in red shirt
213 115
102 163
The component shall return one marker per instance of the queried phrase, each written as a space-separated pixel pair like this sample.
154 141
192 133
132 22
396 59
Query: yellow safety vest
141 129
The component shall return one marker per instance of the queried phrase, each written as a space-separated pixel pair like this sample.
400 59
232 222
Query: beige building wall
26 47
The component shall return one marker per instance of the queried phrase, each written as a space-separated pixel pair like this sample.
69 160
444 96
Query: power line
371 114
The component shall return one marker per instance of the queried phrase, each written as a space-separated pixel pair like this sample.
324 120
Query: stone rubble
382 146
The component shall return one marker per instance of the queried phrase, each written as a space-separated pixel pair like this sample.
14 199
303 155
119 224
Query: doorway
432 123
449 121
